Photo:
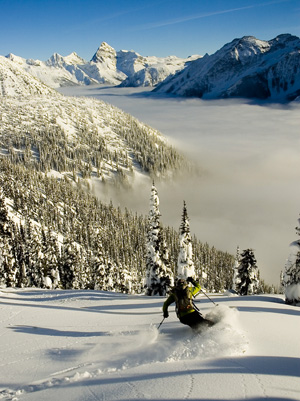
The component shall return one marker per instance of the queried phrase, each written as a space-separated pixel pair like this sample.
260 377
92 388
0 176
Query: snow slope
92 345
14 81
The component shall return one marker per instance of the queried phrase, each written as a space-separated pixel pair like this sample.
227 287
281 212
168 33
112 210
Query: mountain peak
104 52
245 47
55 60
73 58
16 59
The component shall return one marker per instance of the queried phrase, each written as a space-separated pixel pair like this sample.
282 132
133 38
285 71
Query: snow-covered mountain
106 66
86 131
246 67
14 81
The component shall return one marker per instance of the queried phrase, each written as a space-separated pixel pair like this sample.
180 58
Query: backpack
183 299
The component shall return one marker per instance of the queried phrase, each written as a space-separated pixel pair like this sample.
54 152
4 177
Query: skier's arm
196 286
166 304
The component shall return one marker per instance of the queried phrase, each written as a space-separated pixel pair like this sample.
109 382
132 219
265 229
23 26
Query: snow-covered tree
236 279
247 282
70 265
185 264
7 260
158 275
20 253
291 277
50 259
34 255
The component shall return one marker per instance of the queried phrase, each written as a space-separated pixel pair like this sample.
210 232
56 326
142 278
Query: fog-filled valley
246 193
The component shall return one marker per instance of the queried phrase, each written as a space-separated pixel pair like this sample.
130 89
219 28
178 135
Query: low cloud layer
248 194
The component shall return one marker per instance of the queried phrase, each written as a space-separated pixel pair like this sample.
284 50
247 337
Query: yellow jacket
173 297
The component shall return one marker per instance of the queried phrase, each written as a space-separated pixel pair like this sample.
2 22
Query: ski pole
160 323
196 307
208 297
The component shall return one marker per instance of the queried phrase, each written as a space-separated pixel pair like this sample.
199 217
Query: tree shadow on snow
44 331
64 295
110 309
294 311
125 309
268 310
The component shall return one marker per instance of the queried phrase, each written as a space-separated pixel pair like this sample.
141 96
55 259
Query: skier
182 295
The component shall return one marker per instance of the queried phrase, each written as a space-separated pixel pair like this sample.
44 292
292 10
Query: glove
190 280
166 314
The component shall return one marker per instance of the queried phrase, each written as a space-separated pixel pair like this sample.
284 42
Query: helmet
181 283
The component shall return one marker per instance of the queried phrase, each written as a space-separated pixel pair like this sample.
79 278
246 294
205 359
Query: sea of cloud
247 193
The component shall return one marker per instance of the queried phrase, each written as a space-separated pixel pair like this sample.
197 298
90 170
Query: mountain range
106 66
246 67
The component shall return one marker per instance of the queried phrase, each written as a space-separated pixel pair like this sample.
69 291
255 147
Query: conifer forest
54 232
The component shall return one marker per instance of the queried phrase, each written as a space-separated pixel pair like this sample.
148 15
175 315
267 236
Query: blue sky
37 29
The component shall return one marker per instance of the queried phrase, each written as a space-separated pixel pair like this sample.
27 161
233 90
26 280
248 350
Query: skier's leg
195 320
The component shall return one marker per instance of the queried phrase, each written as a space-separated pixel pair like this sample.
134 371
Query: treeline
55 234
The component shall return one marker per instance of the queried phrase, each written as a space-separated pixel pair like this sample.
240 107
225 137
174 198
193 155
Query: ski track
254 376
148 346
192 382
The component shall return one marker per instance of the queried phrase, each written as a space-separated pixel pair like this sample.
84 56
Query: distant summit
56 60
104 53
246 67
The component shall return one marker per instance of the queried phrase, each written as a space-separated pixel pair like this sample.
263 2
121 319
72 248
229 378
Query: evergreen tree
236 280
158 275
50 259
19 253
291 277
33 255
248 274
185 265
7 260
70 265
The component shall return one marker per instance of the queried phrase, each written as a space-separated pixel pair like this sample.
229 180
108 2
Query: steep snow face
156 70
248 47
149 76
130 62
104 53
246 67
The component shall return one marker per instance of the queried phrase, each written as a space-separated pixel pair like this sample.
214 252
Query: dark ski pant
194 320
